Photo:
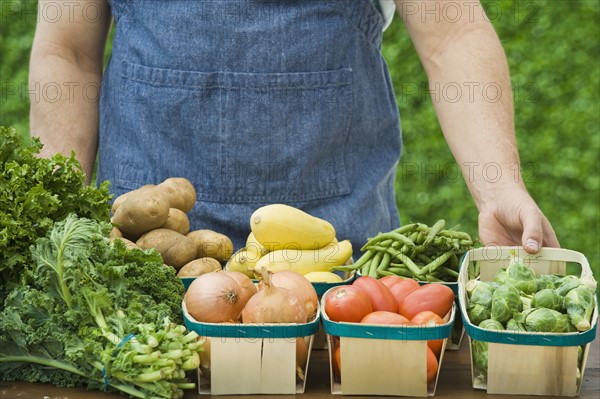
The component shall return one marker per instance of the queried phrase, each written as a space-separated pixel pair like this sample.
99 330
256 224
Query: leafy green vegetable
547 298
520 276
545 320
480 349
480 303
579 303
92 316
547 281
505 301
34 193
480 358
500 276
514 325
567 283
491 324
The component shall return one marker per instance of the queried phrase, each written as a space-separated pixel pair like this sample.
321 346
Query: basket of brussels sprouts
529 318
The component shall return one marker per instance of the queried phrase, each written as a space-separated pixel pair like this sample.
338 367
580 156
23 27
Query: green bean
394 236
448 271
433 279
413 237
358 264
406 228
461 235
404 259
437 262
385 262
374 263
420 238
370 241
399 271
434 230
424 258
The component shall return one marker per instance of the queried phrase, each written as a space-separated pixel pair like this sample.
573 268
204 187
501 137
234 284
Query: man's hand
515 219
462 50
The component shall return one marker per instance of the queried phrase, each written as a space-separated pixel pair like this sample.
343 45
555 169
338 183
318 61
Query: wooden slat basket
528 363
382 359
253 358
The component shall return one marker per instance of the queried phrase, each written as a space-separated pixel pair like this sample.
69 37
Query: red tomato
402 288
384 317
427 318
380 295
432 366
391 280
435 297
347 303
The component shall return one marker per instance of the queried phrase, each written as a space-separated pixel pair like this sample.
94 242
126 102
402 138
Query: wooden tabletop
454 381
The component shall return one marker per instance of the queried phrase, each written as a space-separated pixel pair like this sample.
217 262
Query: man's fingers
533 237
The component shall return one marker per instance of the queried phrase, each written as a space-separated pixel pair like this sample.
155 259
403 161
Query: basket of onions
258 334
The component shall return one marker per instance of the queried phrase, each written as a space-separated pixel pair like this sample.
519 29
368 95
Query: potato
143 211
176 249
198 267
181 192
121 198
128 243
211 244
115 233
177 221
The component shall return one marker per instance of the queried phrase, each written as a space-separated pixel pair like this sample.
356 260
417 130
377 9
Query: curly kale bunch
34 194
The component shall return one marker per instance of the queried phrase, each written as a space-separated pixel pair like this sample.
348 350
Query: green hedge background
553 49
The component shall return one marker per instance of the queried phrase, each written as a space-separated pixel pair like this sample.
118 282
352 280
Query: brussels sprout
547 281
477 313
482 293
480 358
546 320
579 303
505 302
567 283
500 276
521 276
547 298
514 325
491 324
526 301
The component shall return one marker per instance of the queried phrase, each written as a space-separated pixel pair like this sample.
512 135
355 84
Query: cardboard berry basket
520 362
383 359
458 330
253 358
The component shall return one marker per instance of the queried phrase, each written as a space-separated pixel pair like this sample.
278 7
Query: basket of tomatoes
387 336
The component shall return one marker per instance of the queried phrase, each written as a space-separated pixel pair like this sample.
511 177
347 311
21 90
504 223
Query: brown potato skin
177 221
115 233
147 210
211 244
128 243
198 267
176 249
121 198
181 193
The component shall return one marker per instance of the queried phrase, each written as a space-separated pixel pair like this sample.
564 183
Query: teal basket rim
251 331
370 331
403 333
529 338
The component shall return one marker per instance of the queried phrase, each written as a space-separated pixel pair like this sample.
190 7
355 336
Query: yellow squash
306 261
279 226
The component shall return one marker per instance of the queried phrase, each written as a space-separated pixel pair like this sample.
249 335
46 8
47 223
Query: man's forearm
471 91
64 114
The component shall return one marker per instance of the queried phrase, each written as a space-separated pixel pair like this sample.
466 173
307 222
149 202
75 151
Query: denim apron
255 102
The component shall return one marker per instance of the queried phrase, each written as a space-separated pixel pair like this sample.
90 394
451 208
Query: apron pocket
239 137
